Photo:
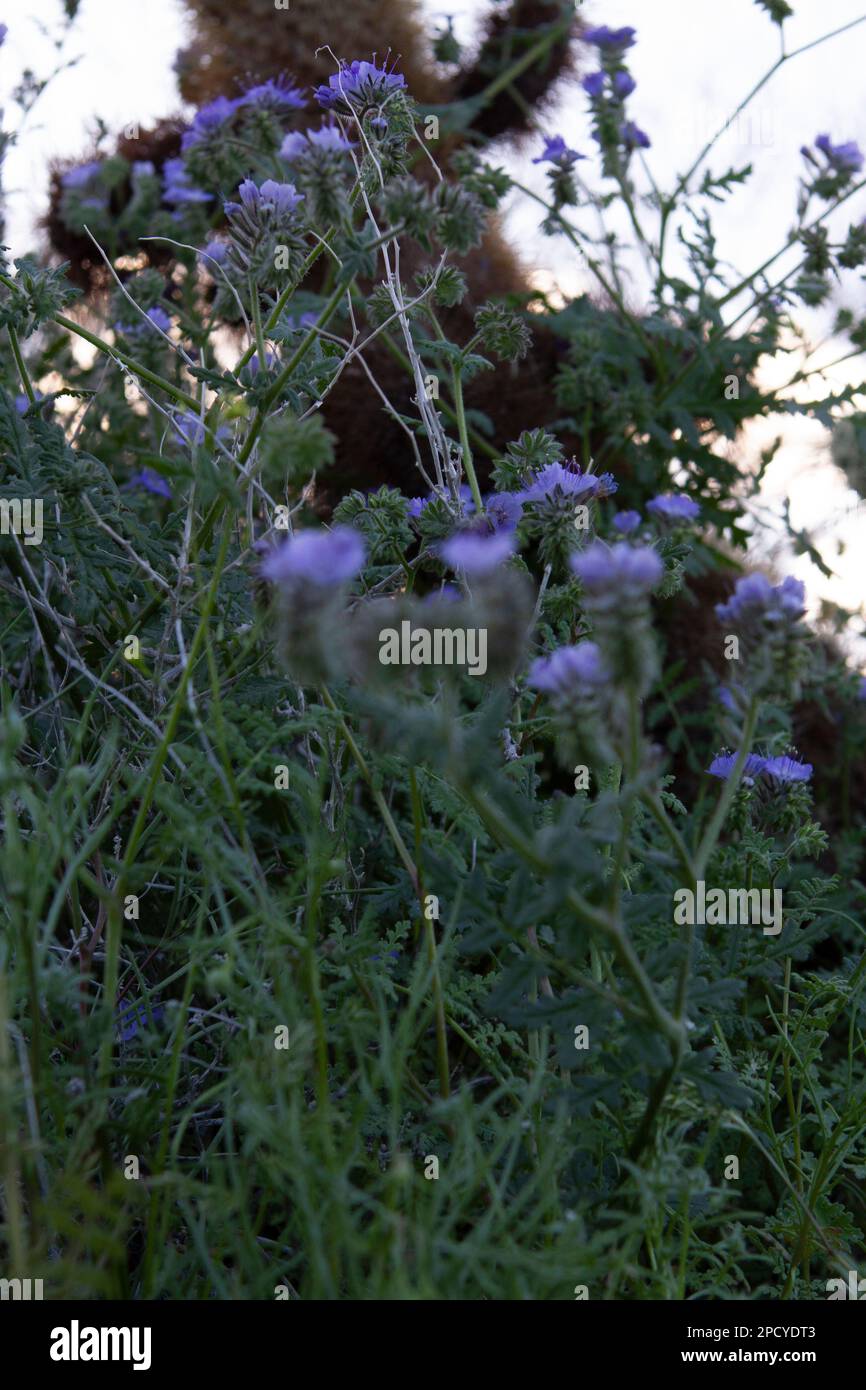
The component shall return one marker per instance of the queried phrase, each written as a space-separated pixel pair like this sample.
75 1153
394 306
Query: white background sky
694 60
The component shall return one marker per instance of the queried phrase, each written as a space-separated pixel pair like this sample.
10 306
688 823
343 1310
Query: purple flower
417 504
329 137
270 360
137 1015
504 510
568 670
215 251
620 569
786 769
143 168
296 325
22 403
209 118
633 137
359 83
604 37
755 599
732 697
556 482
294 145
845 159
476 554
723 765
82 174
674 507
4 30
151 482
607 485
446 593
557 152
157 316
177 188
861 692
281 198
323 558
593 83
189 429
623 83
273 95
626 522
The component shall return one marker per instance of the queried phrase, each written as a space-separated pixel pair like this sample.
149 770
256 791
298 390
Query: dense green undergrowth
323 978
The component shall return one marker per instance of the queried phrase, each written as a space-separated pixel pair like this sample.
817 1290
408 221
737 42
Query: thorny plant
285 941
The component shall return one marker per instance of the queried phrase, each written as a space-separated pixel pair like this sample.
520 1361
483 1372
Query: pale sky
694 60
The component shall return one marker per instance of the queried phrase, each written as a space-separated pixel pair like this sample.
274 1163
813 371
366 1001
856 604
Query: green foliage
295 943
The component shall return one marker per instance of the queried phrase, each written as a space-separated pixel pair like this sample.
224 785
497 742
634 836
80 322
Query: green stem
21 365
381 803
466 456
520 65
256 310
732 781
503 830
114 929
442 1062
153 378
279 382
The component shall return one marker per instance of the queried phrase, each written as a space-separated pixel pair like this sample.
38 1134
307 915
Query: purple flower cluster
622 82
504 510
208 119
765 619
190 430
674 507
328 139
604 37
569 672
617 572
626 522
845 159
279 198
417 504
475 554
177 187
215 250
150 481
783 770
82 174
137 1015
617 582
276 94
556 482
322 558
757 601
359 85
157 316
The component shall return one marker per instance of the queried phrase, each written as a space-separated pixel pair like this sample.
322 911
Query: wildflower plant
226 823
